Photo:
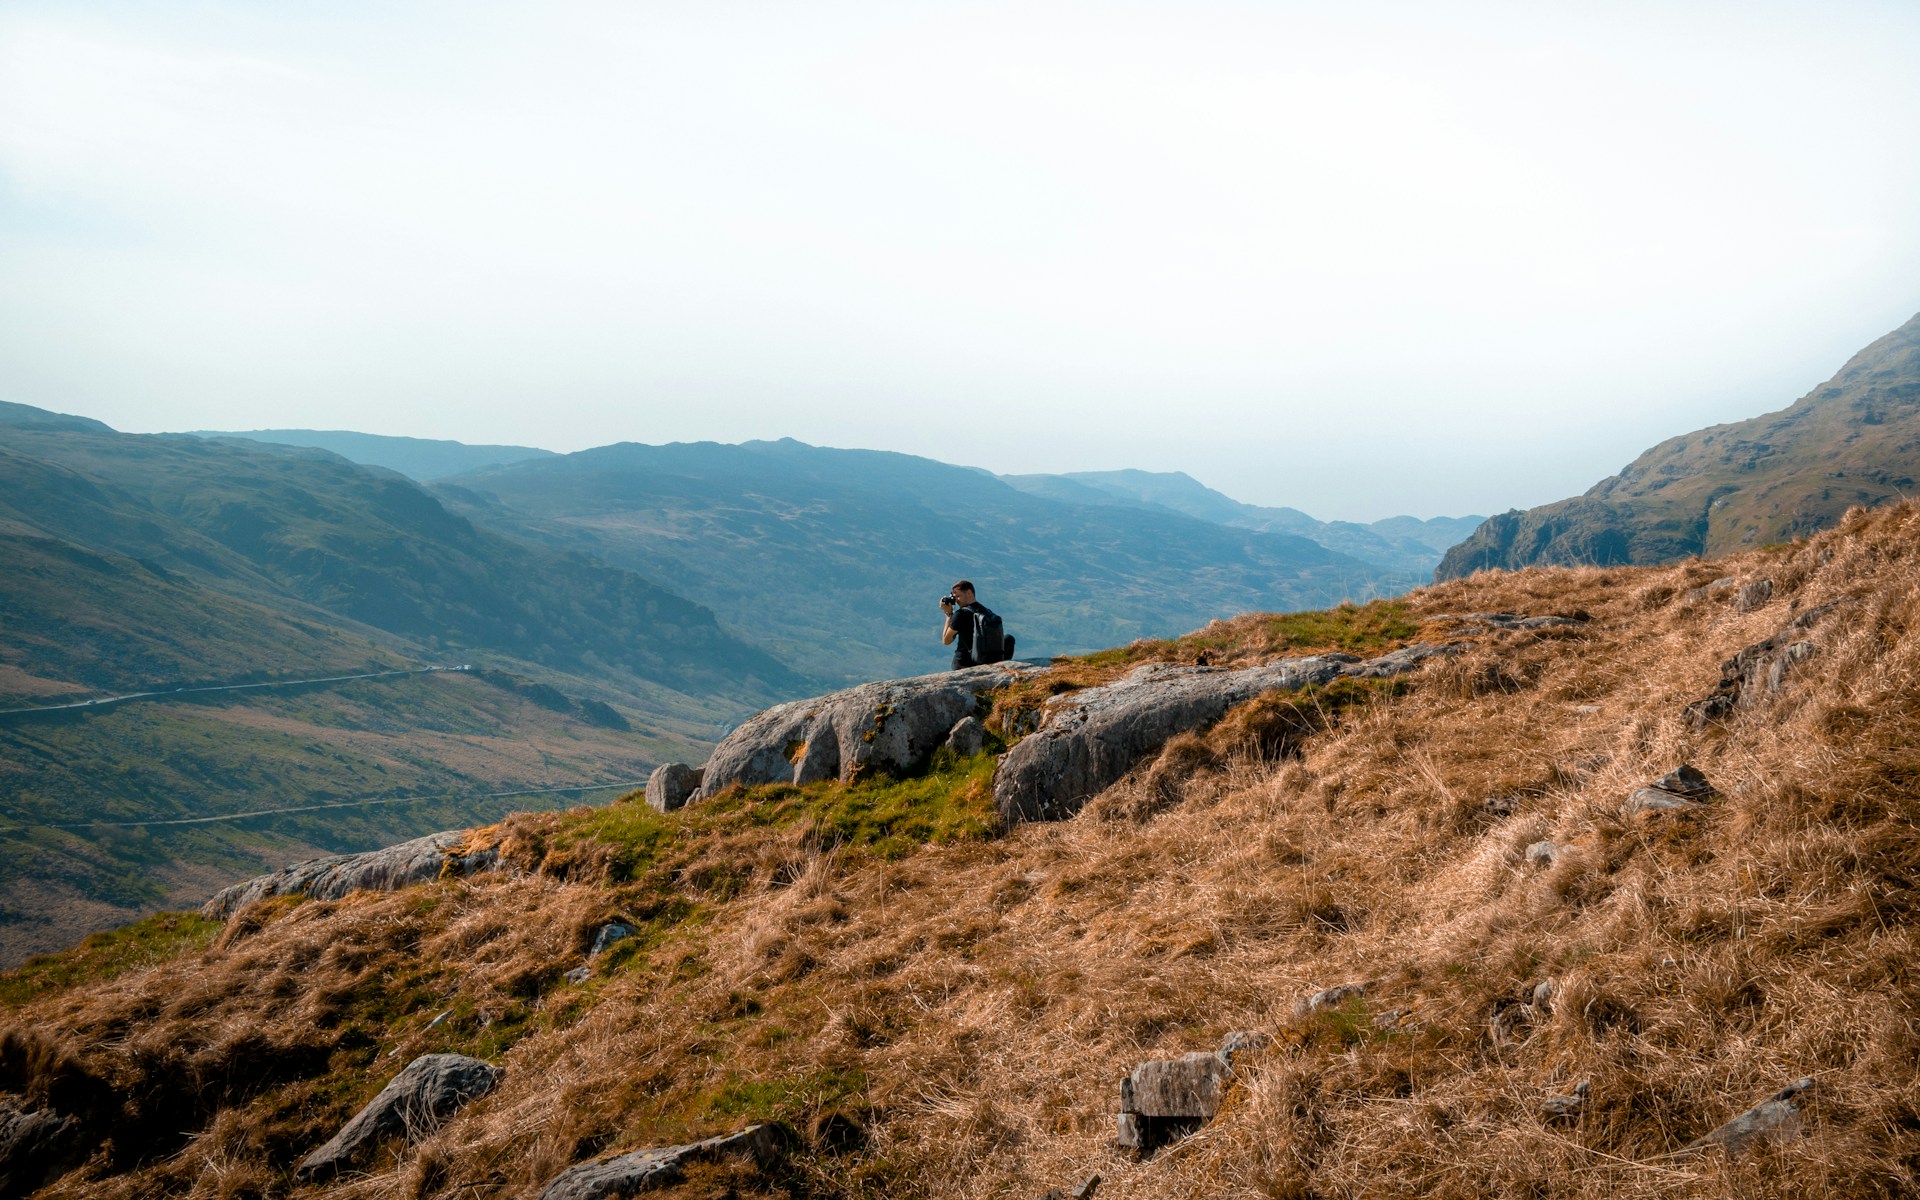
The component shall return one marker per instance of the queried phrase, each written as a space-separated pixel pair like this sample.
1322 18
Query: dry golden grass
955 1023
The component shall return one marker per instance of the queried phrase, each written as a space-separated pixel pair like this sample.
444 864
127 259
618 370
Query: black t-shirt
962 622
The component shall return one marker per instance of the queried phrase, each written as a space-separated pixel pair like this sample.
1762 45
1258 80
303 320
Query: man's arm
947 632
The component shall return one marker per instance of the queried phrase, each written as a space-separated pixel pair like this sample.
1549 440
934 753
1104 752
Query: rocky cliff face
1855 440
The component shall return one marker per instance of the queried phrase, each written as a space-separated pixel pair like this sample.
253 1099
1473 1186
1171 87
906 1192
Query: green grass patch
786 1098
1363 629
102 956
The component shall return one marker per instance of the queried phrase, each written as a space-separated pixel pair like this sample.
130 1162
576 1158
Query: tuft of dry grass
951 1018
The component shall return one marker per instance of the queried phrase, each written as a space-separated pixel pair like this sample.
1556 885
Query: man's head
962 592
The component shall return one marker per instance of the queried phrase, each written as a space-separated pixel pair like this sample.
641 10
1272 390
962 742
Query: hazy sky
1356 258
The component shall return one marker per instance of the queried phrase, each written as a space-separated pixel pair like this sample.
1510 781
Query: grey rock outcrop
1166 1099
1567 1106
1088 739
642 1170
1332 997
967 738
420 1097
1753 595
418 861
894 724
36 1147
1542 853
1776 1119
671 785
610 935
1759 670
1505 620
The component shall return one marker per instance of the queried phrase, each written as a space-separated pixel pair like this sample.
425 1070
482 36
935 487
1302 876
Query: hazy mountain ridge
833 558
420 459
1854 440
1401 543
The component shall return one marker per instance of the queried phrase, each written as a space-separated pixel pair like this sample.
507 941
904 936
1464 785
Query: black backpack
990 641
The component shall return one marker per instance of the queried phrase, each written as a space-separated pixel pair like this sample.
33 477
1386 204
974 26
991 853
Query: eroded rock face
418 861
1088 739
1759 670
643 1170
672 785
427 1092
894 724
36 1147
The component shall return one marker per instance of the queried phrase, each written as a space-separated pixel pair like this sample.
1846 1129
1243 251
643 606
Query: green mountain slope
833 558
1853 440
1395 544
132 563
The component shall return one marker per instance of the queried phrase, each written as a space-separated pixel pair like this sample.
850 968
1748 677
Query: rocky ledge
329 878
1088 739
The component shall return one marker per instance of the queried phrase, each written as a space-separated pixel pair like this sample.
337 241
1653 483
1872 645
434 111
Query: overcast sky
1356 258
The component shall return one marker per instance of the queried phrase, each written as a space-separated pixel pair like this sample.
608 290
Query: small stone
1085 1191
611 934
1567 1106
579 975
1645 800
1393 1018
1686 782
1543 854
671 785
1705 590
1241 1040
967 738
1499 806
1775 1119
1753 596
430 1089
1331 997
1544 992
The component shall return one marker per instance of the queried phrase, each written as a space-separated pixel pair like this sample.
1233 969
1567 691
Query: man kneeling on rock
972 629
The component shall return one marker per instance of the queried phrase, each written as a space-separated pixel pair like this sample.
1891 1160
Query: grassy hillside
1853 440
939 1008
834 559
419 459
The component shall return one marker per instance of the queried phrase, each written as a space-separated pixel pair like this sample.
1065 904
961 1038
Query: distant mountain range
833 559
1854 440
1397 543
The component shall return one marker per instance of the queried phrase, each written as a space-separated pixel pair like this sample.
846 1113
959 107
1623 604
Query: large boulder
1088 739
643 1170
427 1092
329 878
1778 1118
1166 1099
671 785
894 725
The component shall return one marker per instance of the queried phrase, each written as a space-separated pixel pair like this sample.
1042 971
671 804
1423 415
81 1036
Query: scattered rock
36 1147
1240 1041
419 1098
643 1170
1753 596
1393 1018
1758 670
1775 1119
1544 992
1500 806
1705 590
1504 620
894 724
967 738
670 786
1543 854
1677 791
1084 1192
1332 997
422 860
1568 1106
611 934
1088 739
1686 782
